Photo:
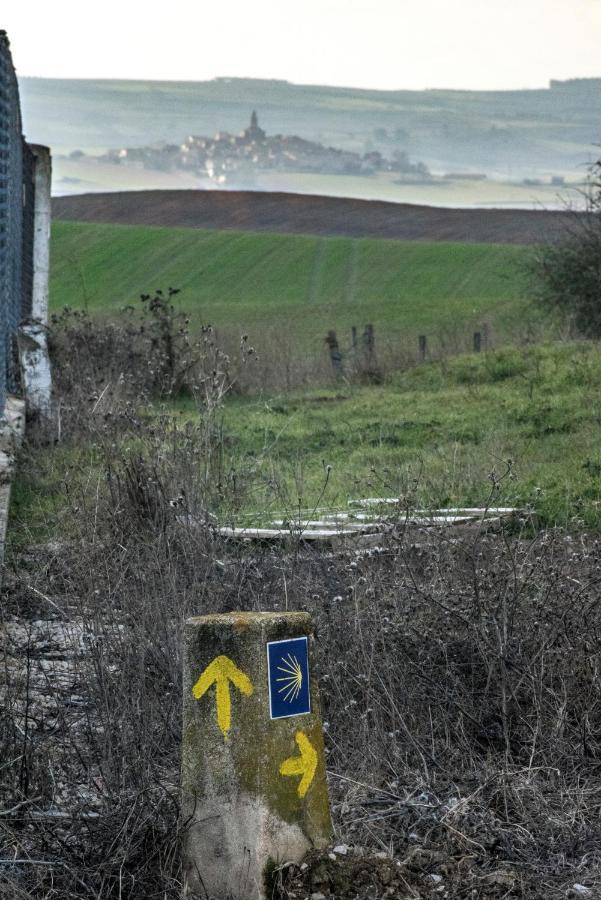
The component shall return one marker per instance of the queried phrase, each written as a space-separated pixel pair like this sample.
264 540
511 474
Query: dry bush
459 680
459 684
106 369
150 351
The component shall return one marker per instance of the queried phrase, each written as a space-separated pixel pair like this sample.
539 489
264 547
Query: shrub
568 273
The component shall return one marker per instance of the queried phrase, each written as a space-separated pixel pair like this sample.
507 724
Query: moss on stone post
253 768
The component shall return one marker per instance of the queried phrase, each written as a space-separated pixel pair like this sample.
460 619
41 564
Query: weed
458 675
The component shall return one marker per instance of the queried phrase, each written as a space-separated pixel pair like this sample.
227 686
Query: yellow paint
305 764
221 672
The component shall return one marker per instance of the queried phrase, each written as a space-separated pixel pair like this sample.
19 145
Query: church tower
253 132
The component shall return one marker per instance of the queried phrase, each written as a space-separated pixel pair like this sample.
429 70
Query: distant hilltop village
227 156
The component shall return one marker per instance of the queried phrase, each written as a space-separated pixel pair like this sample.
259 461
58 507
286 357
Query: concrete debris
341 849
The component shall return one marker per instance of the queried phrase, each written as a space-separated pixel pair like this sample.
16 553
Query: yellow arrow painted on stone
221 672
305 764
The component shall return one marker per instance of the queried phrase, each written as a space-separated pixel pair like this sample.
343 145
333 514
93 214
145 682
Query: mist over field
489 148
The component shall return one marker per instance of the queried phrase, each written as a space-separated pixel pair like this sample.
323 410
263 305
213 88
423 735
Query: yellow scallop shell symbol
291 679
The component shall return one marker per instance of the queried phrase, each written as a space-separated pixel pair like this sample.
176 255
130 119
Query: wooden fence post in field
335 354
485 335
477 342
368 341
354 337
254 791
423 346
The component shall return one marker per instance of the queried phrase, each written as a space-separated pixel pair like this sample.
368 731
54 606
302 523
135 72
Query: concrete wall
25 172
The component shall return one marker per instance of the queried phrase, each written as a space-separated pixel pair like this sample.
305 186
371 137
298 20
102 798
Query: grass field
301 285
435 434
438 433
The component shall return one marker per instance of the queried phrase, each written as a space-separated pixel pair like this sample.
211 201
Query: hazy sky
380 43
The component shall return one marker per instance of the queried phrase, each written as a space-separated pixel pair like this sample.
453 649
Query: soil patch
306 214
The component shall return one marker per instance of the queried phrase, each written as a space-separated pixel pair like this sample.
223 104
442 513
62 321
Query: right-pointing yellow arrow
304 765
221 672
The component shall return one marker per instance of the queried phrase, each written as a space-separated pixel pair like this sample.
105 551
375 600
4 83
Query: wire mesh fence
17 203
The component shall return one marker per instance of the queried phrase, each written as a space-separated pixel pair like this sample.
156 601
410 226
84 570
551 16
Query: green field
435 434
301 285
438 433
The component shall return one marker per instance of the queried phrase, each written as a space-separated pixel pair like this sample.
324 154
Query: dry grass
151 350
459 680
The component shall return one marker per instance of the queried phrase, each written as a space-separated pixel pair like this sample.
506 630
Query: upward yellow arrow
220 672
305 764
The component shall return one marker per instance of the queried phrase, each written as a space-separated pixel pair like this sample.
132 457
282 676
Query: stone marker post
253 768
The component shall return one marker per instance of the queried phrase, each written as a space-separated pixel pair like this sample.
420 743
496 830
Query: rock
501 878
247 765
341 849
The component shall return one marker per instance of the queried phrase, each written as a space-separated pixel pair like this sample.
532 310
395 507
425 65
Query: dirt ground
91 785
351 873
306 214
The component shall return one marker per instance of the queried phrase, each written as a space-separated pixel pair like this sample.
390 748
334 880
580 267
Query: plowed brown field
306 214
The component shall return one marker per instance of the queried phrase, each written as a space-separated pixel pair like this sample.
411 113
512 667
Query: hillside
302 214
296 285
533 146
507 134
